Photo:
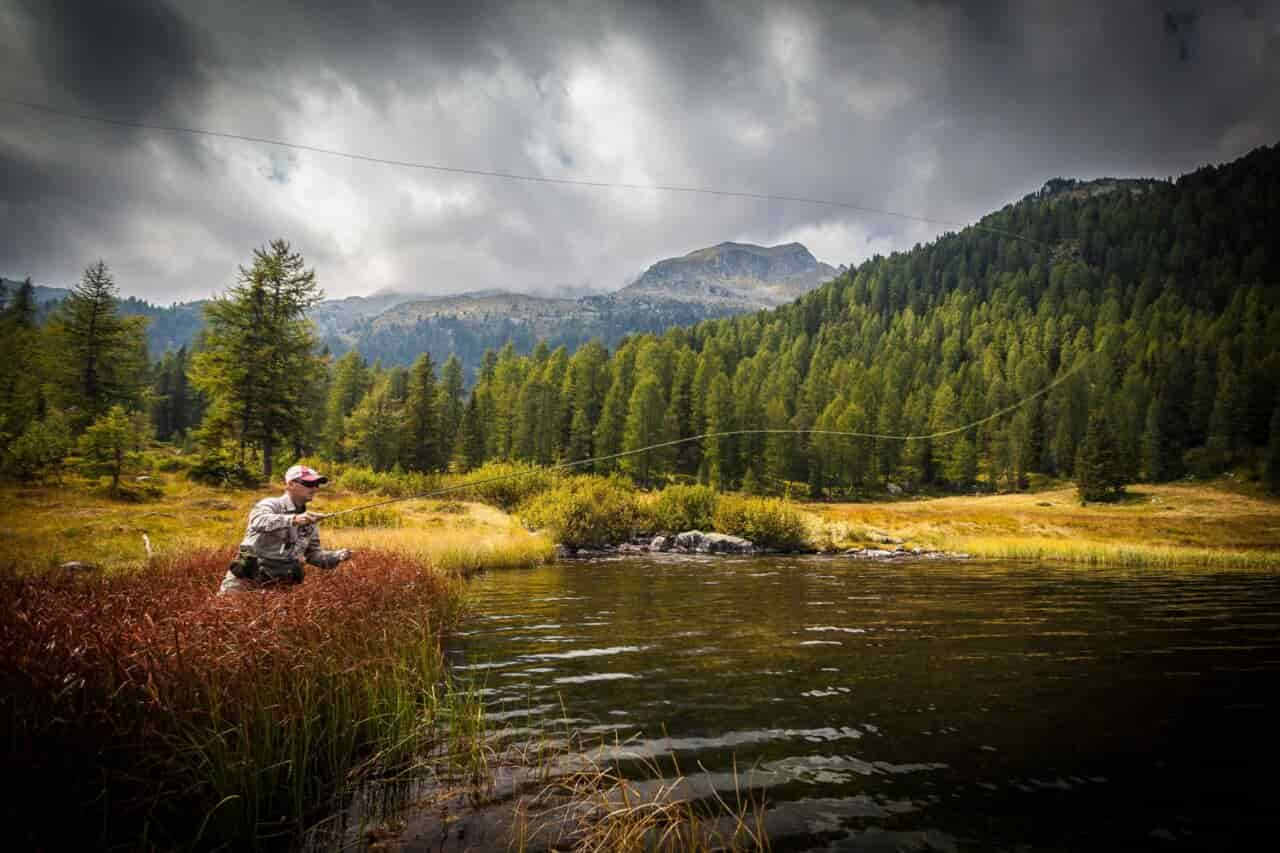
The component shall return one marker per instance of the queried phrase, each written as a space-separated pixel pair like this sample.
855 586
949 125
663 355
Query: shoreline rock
697 542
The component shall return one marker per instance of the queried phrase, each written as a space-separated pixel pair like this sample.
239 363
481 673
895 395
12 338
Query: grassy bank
139 709
1155 525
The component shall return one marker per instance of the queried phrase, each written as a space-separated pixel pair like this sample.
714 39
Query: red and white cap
306 476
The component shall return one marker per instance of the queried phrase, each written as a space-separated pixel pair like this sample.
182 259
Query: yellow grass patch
44 527
1156 525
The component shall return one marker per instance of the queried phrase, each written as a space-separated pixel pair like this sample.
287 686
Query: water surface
884 706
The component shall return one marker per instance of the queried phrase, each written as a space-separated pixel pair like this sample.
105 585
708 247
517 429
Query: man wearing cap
281 538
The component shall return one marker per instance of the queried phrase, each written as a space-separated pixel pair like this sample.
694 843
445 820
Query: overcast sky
933 109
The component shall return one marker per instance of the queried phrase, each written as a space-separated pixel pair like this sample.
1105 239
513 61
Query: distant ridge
395 327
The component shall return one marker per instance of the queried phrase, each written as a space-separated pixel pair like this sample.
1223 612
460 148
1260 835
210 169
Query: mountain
720 281
1114 329
42 294
394 327
737 275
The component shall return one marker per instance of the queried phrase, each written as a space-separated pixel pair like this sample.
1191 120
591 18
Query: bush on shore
503 484
392 484
770 523
680 508
586 512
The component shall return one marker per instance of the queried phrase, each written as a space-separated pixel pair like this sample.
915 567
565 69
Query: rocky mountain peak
739 274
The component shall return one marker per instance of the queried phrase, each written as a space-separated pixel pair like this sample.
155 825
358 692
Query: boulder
660 543
697 542
894 489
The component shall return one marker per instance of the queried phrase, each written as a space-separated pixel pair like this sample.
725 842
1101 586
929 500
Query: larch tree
645 426
20 397
374 429
351 381
453 394
97 355
259 361
1097 469
1271 469
420 442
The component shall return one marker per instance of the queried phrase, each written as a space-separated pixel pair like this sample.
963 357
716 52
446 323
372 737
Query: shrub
585 512
220 468
377 516
505 485
170 464
685 508
768 522
39 450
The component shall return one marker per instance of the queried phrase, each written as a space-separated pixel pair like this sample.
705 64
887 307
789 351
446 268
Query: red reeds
143 700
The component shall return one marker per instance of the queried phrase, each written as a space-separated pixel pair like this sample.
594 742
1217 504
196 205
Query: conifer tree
112 443
452 404
38 450
1271 468
1228 421
98 355
719 450
471 439
610 430
1097 472
375 428
350 382
586 385
174 404
779 447
644 427
20 395
1153 467
420 441
534 438
259 364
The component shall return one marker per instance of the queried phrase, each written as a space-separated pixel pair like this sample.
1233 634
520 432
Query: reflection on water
889 706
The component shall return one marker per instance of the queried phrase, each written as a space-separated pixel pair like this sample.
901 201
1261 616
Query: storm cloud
938 110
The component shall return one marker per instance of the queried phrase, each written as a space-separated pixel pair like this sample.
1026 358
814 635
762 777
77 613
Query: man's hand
306 518
344 555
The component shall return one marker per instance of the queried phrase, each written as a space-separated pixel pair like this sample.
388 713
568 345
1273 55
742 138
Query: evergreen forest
1147 308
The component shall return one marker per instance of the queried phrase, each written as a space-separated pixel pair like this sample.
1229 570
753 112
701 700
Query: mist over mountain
718 281
394 326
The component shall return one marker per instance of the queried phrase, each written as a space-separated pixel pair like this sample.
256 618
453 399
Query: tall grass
139 706
1169 525
1094 553
597 809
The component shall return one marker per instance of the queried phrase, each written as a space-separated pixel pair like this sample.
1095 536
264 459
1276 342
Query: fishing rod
560 466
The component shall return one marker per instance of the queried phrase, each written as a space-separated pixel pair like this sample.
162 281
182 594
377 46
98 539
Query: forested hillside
1150 307
1165 292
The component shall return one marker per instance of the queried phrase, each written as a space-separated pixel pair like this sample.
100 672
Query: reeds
597 809
1131 555
139 705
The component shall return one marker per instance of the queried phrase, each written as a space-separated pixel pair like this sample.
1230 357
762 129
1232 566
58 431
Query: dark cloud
135 60
938 109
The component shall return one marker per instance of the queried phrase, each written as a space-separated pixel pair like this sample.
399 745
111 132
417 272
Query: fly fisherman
281 538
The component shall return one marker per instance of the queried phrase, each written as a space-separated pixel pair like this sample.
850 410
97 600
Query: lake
935 705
